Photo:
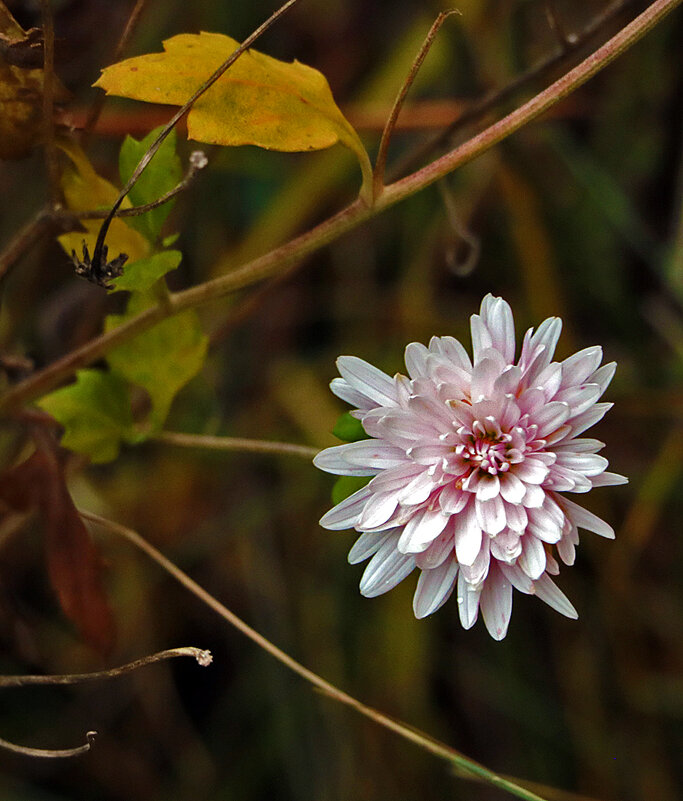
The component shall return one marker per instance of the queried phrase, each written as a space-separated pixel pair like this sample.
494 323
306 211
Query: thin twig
380 164
197 163
282 258
235 444
541 71
467 766
49 753
51 159
23 239
156 144
98 105
203 658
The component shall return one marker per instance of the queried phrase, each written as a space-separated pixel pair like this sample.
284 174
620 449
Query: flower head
470 460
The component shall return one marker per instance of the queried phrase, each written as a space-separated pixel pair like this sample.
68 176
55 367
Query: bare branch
235 444
51 160
380 164
49 753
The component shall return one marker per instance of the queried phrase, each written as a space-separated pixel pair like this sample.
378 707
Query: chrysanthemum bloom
470 462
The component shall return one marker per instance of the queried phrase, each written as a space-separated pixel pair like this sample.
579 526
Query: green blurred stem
281 258
234 444
467 767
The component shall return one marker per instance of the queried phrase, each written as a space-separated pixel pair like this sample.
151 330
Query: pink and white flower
470 462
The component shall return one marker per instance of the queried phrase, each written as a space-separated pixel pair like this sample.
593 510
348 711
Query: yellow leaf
259 101
85 190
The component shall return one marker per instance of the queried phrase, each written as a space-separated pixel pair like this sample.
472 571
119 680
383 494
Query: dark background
579 215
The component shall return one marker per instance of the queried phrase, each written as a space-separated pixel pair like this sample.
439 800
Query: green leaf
161 360
95 413
348 428
347 485
144 273
259 101
162 174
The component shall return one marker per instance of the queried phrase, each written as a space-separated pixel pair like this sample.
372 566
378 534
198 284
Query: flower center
488 448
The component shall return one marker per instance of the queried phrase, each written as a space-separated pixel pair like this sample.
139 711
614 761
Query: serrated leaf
259 100
348 428
162 174
95 413
144 273
85 190
347 485
161 360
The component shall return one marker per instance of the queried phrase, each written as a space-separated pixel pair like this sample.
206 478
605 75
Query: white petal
579 398
589 418
418 490
550 417
516 516
421 530
468 535
518 578
566 550
590 464
608 480
367 379
345 514
373 453
481 337
511 487
484 376
543 526
487 486
534 497
582 518
352 396
396 478
577 368
532 558
547 334
531 471
604 375
434 588
468 602
366 545
379 508
416 360
385 570
491 515
332 460
548 591
453 350
442 548
583 445
497 317
496 604
506 546
452 500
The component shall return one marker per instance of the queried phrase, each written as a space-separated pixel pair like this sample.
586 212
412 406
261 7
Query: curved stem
358 212
234 444
465 765
50 753
203 658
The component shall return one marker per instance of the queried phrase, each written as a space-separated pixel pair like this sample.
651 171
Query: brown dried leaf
74 565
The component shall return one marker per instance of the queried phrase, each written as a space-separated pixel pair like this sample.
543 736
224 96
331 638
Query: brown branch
98 105
50 753
235 444
282 258
498 97
380 164
465 766
51 159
